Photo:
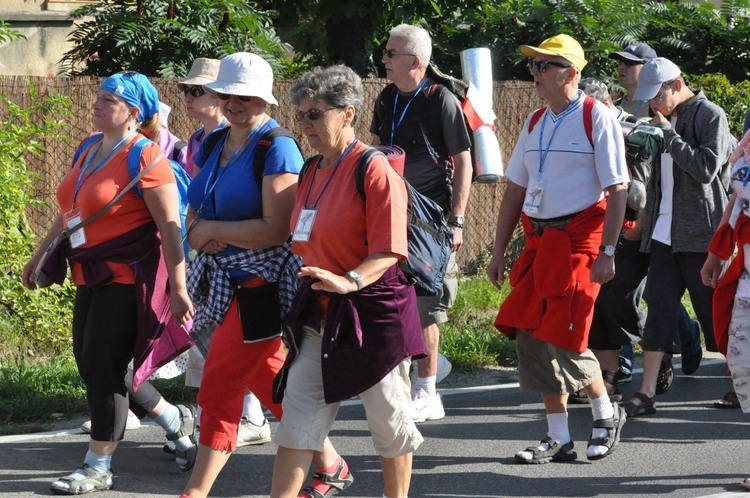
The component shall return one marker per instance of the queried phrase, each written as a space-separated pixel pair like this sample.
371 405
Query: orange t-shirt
99 188
347 230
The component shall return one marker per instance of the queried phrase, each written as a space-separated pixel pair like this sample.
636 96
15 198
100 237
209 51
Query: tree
163 37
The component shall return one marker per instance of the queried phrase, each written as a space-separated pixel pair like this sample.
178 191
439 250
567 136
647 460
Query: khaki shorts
545 368
307 418
434 309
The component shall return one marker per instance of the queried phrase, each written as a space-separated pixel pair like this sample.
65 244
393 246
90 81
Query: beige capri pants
307 419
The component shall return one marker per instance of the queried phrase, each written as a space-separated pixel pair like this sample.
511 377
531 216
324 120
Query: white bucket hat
201 72
246 75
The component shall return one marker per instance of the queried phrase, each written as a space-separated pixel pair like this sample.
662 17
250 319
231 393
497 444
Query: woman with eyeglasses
355 307
120 263
244 275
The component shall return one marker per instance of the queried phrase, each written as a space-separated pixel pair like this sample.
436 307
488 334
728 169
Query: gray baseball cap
653 74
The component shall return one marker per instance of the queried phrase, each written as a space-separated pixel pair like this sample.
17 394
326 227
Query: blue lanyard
543 153
217 172
640 103
85 167
747 175
394 124
312 181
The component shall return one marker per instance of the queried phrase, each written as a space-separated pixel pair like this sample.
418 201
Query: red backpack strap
536 117
588 119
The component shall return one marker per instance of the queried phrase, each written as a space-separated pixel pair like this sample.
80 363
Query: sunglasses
195 91
660 95
226 96
390 53
542 66
312 114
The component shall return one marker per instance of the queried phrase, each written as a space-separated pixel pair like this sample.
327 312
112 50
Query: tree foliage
163 37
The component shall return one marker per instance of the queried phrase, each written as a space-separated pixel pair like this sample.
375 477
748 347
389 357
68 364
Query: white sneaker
426 407
249 433
132 423
444 367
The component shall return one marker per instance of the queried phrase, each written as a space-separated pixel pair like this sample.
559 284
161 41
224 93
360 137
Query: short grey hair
337 86
592 87
418 41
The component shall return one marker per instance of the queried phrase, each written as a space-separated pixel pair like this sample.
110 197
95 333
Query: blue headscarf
136 90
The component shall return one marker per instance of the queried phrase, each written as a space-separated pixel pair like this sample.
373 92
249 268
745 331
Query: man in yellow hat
568 183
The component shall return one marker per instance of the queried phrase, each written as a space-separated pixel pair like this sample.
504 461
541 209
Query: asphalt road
687 449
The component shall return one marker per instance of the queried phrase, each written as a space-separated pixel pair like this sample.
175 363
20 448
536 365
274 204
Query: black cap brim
626 55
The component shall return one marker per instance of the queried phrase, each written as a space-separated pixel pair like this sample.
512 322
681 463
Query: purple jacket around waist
367 334
159 340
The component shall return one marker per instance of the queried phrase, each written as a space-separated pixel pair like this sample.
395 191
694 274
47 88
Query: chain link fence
513 100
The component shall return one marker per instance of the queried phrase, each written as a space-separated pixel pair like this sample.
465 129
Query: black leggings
104 335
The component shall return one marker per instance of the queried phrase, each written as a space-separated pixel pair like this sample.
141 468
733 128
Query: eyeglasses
195 91
542 66
631 63
660 95
226 96
312 114
389 53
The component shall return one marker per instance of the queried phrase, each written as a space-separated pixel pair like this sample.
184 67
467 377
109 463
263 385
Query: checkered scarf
211 289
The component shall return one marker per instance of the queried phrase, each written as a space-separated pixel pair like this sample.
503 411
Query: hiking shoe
249 433
82 481
426 407
666 374
693 353
624 371
548 450
132 423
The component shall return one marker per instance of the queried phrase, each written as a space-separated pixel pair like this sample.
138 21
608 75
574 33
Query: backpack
588 122
134 167
429 238
261 148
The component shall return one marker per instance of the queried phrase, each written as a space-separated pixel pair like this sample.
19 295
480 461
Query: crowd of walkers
281 280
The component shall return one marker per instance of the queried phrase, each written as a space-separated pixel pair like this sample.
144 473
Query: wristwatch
608 250
356 278
456 221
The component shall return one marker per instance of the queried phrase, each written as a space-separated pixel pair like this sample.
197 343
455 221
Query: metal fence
513 100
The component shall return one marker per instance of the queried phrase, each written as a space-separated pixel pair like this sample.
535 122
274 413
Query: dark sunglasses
226 96
195 91
390 53
312 114
542 66
630 63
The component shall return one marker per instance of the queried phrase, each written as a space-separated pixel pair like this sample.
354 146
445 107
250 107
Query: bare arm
28 270
507 219
603 269
162 203
713 266
371 269
461 187
271 230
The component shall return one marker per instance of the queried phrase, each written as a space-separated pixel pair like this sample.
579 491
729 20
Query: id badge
533 199
304 225
72 219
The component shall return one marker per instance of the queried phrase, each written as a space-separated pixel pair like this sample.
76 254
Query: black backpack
430 239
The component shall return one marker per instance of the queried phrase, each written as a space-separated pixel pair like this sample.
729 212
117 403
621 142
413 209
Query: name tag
72 219
533 199
304 225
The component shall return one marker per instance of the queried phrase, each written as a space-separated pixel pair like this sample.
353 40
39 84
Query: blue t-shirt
231 193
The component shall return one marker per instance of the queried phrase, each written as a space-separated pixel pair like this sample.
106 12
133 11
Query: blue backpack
430 239
134 167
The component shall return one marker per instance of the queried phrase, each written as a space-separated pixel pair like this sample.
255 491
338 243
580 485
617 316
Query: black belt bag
259 309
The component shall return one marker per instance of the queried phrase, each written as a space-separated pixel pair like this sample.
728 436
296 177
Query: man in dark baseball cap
631 59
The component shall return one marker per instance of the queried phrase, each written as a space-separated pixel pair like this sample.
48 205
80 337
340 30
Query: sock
100 463
252 410
169 419
602 409
557 425
427 384
323 487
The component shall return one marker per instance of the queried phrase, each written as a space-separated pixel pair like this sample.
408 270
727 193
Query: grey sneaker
249 433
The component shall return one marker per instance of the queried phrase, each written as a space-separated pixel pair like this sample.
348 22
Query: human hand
603 269
711 271
328 281
496 270
182 307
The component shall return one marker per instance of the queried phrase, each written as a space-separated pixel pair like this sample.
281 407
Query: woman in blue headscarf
122 264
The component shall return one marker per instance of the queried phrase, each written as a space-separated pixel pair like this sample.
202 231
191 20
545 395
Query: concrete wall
46 25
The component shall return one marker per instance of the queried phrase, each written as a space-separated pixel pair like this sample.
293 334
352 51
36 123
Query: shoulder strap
181 144
364 161
588 118
134 160
536 117
308 164
88 142
261 149
212 139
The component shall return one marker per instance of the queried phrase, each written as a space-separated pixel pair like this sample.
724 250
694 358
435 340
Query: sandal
645 407
666 374
555 453
334 482
185 458
74 485
729 400
614 428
